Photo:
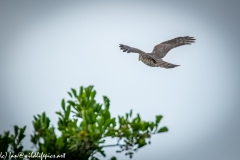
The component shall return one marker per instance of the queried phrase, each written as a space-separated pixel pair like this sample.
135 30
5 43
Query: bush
84 125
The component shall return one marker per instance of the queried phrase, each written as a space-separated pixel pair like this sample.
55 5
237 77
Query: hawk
154 59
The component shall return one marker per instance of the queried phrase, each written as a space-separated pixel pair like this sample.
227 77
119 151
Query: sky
48 47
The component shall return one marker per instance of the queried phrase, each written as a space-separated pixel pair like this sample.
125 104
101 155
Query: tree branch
113 145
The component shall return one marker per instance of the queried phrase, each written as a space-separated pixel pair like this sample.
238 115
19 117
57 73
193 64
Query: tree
84 125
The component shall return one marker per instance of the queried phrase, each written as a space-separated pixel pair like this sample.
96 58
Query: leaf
43 116
101 141
127 115
107 123
158 118
20 148
71 103
138 118
94 158
113 158
21 134
81 91
93 118
101 151
93 94
130 114
59 113
16 130
135 126
35 118
70 94
74 92
113 122
35 125
163 129
144 125
106 101
141 142
73 147
85 116
34 139
151 125
63 104
67 113
100 121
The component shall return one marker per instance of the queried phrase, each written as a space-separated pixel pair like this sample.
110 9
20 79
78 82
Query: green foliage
84 126
12 143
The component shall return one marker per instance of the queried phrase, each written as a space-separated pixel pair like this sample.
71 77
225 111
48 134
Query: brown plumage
154 59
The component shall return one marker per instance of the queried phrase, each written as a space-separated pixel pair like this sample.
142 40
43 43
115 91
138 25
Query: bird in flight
154 59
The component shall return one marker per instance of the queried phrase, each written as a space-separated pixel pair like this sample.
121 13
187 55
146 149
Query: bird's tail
166 65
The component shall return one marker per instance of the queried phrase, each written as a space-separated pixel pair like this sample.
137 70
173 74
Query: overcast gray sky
48 47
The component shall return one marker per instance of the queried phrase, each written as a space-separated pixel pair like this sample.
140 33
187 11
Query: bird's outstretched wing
163 64
163 48
129 49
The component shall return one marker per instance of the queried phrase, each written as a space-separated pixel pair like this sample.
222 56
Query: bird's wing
163 64
129 49
163 48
